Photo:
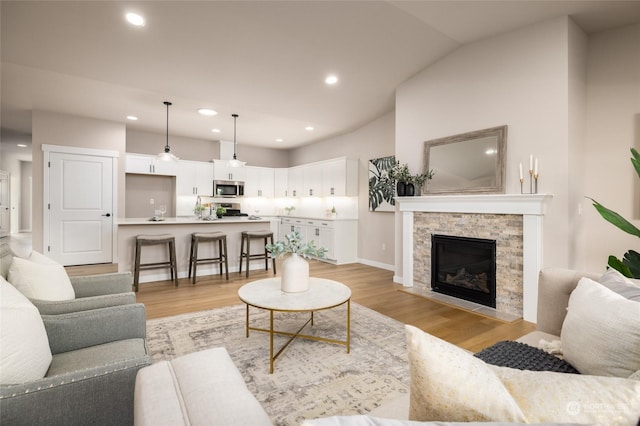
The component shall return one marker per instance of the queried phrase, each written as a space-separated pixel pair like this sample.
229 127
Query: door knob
107 215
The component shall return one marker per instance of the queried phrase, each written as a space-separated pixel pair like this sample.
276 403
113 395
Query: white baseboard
377 264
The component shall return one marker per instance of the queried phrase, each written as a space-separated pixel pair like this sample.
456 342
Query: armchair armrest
98 285
68 332
48 307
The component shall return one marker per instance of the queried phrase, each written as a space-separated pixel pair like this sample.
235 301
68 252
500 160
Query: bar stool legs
221 259
147 240
247 236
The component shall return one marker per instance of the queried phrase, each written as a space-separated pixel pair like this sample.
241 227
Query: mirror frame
500 132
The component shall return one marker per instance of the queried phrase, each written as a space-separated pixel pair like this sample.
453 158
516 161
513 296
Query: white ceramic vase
295 274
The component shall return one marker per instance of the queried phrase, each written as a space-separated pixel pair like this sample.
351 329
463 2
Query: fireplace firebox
464 267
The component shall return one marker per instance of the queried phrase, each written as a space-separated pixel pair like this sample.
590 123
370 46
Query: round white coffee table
322 294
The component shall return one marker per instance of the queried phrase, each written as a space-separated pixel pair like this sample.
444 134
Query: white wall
613 127
60 129
519 79
376 139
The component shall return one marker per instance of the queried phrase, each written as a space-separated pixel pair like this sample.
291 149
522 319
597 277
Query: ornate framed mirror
472 162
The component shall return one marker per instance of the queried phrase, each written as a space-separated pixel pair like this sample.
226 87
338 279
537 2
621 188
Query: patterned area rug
312 378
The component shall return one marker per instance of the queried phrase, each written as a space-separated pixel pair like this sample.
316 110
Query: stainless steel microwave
228 188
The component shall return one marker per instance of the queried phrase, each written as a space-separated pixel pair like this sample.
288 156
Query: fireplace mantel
532 207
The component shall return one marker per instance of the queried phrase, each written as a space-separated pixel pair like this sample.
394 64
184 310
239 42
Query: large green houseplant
629 265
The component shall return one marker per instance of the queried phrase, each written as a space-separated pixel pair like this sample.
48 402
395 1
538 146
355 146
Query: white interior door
5 202
80 208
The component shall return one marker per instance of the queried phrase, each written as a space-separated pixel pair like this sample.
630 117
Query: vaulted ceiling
264 60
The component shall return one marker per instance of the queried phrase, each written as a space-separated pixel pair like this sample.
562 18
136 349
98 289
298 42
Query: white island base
181 229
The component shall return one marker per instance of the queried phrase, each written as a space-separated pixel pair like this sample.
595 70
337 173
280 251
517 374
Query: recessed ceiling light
207 111
132 118
135 19
215 130
21 145
491 151
279 140
308 128
331 79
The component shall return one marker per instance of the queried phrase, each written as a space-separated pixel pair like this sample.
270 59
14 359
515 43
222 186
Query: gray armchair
91 379
92 291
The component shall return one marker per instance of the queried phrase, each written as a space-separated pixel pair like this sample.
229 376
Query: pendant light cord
235 117
166 147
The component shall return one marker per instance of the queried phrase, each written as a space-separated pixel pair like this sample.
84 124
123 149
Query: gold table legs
272 331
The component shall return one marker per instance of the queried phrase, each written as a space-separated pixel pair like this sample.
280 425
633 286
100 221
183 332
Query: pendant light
167 155
235 162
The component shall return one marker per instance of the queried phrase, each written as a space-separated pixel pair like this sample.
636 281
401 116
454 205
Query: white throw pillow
601 332
546 396
449 384
620 284
24 354
40 278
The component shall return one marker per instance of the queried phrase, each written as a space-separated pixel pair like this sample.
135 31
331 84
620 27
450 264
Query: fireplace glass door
464 268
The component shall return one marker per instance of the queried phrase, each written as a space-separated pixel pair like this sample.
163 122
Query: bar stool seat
247 236
148 240
221 259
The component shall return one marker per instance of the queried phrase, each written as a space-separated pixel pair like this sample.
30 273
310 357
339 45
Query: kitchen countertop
189 221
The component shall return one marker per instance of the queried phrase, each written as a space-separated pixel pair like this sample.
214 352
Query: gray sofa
92 291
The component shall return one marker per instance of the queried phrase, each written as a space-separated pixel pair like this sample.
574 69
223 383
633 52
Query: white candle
535 170
531 162
521 171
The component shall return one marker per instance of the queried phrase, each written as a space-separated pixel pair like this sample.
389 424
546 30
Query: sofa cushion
41 278
601 332
25 354
460 385
557 397
620 284
448 384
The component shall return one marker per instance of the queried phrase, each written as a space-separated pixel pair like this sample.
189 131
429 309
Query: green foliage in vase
629 265
381 184
293 244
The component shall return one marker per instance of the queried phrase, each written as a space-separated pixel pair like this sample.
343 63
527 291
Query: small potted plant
220 211
420 179
401 174
289 209
295 269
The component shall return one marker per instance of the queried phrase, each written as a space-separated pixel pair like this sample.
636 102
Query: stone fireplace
514 221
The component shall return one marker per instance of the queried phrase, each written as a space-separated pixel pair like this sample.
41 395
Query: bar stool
148 240
247 236
198 237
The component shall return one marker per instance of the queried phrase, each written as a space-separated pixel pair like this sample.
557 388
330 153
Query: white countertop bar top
189 221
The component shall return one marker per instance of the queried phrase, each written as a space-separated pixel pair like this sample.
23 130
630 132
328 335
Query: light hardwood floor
371 287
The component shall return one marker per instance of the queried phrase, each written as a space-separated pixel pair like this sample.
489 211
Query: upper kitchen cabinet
281 182
194 178
258 181
340 178
294 181
148 165
312 180
222 170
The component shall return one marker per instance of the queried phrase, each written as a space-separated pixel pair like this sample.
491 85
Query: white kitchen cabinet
280 182
340 178
295 179
222 170
258 181
312 180
339 237
194 178
148 165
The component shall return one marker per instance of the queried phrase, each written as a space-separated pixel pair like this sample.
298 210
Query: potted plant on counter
220 211
295 269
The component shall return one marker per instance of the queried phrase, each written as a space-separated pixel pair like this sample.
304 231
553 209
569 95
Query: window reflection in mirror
467 163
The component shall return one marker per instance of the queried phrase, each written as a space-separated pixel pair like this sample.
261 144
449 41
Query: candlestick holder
533 183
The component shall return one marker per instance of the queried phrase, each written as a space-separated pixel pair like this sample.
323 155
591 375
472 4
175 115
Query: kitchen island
181 229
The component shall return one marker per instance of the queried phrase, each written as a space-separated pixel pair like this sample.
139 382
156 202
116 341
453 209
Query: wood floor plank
371 287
